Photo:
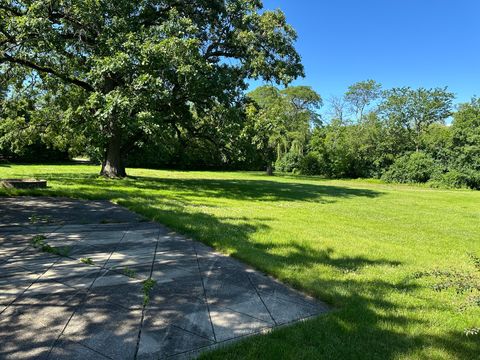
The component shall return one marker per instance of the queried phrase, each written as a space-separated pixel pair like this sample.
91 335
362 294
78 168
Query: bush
457 178
36 153
416 167
289 162
311 164
452 178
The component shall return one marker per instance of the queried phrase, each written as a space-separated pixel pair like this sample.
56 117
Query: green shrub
457 178
472 179
416 167
452 179
289 162
36 153
311 164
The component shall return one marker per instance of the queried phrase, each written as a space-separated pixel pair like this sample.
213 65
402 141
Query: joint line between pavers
15 253
261 299
34 281
204 293
263 330
250 316
29 245
191 332
81 302
29 286
137 347
89 348
217 344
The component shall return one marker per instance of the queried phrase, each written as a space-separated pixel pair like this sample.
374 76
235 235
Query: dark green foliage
87 261
417 109
436 140
232 149
351 150
37 153
403 140
451 178
457 178
129 272
290 162
417 167
147 288
311 164
105 76
39 242
466 135
280 121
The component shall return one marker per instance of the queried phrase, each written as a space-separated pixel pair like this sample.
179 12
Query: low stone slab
23 183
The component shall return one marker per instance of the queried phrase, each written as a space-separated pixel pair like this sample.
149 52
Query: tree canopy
362 94
104 74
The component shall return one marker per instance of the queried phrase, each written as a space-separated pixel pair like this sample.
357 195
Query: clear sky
417 43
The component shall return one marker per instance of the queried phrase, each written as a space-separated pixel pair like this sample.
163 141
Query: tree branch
11 10
47 70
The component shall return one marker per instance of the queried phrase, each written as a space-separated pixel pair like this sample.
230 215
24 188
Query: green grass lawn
354 244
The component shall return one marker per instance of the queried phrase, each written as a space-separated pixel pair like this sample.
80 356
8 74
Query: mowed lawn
356 245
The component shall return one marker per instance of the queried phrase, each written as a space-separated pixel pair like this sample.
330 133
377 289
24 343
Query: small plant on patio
129 272
87 261
38 242
60 251
147 288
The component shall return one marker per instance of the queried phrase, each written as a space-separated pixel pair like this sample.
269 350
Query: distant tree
108 74
417 109
337 108
437 141
362 94
466 135
282 119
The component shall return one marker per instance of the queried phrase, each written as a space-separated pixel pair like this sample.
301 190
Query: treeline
399 135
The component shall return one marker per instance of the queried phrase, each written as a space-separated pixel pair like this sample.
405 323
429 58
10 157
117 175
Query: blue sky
413 43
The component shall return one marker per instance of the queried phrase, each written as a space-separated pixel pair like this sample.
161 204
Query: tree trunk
112 165
269 170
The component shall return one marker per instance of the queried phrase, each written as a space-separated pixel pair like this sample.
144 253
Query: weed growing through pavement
38 242
147 288
87 261
129 272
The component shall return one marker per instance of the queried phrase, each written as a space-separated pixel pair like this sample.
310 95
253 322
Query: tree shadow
254 189
241 189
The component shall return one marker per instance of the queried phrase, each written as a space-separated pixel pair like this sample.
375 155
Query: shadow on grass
367 325
241 189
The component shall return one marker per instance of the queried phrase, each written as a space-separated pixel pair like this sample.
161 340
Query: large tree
107 73
417 109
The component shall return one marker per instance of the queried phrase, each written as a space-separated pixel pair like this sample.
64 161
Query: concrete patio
91 301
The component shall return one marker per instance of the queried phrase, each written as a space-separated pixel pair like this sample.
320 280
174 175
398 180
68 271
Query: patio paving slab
126 288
